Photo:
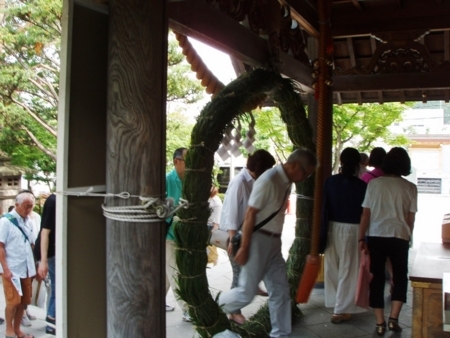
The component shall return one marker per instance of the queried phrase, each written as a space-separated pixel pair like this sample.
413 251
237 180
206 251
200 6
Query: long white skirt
341 267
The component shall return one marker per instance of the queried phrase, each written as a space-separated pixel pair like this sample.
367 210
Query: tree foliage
30 42
271 133
29 76
360 126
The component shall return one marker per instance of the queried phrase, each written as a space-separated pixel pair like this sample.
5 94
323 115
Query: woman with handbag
386 228
341 214
235 205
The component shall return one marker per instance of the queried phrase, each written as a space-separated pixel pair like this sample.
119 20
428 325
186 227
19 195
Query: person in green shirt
174 187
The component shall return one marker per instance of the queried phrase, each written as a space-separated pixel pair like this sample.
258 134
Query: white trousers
265 263
171 270
341 267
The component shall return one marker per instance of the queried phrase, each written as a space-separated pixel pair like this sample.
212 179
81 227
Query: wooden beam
405 81
305 14
206 24
339 98
351 52
346 20
447 46
380 96
238 66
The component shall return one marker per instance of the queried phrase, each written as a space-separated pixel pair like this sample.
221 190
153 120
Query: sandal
237 318
393 325
381 329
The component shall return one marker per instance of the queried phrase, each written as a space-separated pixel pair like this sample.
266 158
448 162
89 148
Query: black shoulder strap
268 219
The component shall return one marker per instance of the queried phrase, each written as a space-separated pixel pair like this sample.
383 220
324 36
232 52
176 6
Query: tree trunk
136 163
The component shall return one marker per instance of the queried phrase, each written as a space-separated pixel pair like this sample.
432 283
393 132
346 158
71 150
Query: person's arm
410 219
363 226
43 265
247 231
6 272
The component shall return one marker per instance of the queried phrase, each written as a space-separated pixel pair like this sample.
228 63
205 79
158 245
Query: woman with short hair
389 210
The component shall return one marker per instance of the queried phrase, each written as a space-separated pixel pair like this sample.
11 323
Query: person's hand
230 248
43 269
7 274
363 247
241 256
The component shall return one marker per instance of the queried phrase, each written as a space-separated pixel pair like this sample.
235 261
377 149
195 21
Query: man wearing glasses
174 188
260 252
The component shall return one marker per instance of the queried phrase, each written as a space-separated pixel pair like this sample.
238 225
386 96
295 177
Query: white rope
153 210
305 197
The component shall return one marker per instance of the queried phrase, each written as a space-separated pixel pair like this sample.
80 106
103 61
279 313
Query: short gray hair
304 156
24 196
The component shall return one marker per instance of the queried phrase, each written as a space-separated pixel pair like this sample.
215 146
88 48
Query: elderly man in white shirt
17 262
235 204
260 252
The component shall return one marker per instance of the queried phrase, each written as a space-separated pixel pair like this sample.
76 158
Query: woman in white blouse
387 224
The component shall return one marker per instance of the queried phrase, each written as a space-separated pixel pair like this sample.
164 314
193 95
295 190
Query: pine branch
39 144
36 117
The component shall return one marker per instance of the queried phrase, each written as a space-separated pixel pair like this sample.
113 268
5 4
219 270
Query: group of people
371 212
363 211
23 242
257 195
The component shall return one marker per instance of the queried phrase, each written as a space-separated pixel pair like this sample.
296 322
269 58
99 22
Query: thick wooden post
137 74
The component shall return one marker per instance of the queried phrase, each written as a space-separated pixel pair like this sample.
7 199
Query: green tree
360 126
29 76
179 128
271 133
30 34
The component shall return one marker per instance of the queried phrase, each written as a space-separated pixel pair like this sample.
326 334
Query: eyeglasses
180 159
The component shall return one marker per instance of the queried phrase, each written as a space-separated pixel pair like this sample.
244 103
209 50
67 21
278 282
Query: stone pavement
315 322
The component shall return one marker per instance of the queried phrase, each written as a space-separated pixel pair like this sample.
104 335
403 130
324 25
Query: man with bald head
17 261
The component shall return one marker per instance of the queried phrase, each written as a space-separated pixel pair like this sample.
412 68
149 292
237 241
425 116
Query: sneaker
186 317
25 321
339 318
29 315
50 330
169 308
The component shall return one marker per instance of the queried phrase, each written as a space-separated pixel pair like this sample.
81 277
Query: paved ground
316 320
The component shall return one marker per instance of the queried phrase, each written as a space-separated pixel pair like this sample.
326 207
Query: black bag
236 240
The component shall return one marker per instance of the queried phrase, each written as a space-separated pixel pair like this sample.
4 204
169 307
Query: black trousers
397 250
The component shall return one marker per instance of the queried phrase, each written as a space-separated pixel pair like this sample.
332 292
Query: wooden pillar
136 127
327 162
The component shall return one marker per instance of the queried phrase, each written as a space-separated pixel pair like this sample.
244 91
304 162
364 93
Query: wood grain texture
136 163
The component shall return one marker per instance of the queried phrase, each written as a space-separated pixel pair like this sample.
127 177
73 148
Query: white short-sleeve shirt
236 201
269 193
215 203
19 255
390 199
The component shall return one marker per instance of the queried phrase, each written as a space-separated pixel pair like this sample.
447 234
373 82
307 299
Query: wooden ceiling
384 50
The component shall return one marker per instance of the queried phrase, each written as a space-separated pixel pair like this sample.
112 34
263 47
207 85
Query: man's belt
269 233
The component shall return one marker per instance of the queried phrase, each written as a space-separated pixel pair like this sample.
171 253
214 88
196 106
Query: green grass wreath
191 232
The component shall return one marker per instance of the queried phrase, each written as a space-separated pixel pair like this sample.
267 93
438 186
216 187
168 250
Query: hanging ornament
248 143
237 140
